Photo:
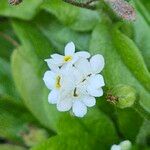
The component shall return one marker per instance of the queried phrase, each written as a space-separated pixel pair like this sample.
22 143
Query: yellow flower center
57 85
67 58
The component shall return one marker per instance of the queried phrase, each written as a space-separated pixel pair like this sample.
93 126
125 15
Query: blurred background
31 30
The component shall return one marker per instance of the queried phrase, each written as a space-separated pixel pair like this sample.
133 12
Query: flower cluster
74 80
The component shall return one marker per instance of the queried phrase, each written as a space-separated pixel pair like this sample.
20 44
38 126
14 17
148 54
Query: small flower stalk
122 96
74 80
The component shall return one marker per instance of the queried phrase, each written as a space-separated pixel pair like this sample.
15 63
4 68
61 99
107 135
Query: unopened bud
123 9
122 96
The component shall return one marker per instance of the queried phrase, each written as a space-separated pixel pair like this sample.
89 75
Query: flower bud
123 9
122 96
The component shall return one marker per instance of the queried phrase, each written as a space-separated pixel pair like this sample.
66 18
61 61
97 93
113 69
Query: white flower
95 84
94 66
124 145
90 69
74 80
69 57
57 81
77 99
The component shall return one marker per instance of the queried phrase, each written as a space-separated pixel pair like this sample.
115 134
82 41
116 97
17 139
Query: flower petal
74 59
53 96
78 77
95 92
70 49
58 59
83 66
96 81
51 64
89 101
64 105
83 54
67 81
79 108
49 79
97 63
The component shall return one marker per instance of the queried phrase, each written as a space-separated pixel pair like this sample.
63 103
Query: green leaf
31 38
6 45
26 10
72 134
132 58
46 26
10 146
146 4
59 34
128 129
30 85
75 132
122 59
77 18
142 37
66 142
7 87
142 9
144 134
95 123
99 125
11 125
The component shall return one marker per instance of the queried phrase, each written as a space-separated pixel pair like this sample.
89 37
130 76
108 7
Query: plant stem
83 5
